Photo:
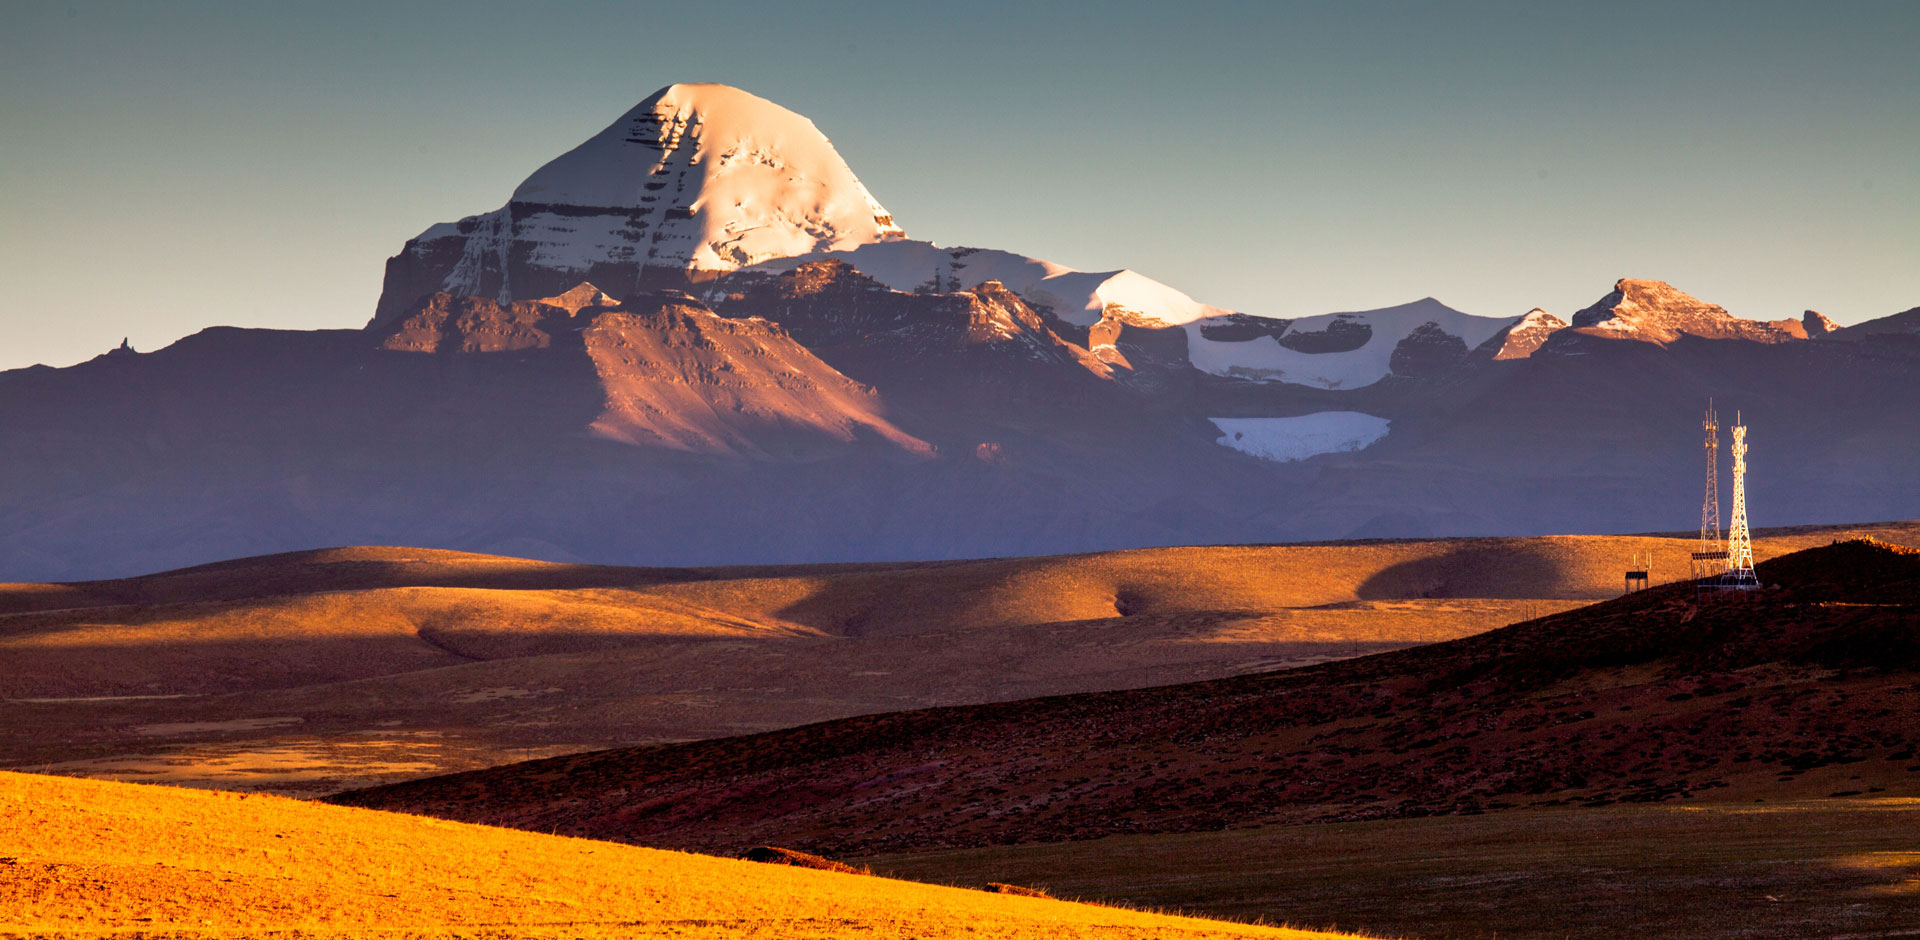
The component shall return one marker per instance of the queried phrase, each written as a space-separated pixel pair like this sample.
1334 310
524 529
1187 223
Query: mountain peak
1526 335
696 180
728 158
1657 312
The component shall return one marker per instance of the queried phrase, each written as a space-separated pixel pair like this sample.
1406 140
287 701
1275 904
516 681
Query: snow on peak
748 179
696 178
1526 335
1335 350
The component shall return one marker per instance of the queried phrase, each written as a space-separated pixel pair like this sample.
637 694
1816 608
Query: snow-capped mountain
694 180
701 180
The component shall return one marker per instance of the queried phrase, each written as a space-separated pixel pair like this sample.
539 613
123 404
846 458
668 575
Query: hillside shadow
1497 569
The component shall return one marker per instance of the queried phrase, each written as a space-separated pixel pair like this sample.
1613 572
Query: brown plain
1760 870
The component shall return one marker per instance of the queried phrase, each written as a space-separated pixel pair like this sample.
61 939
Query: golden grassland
1762 870
96 859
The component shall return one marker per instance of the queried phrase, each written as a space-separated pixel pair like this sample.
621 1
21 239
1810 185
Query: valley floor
1839 867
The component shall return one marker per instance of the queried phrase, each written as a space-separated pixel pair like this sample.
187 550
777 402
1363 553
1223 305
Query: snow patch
1263 359
1297 438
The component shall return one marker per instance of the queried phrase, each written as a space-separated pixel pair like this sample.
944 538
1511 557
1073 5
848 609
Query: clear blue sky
167 166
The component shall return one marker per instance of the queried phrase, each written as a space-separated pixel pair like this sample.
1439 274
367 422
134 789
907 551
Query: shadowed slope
1655 696
91 859
1695 871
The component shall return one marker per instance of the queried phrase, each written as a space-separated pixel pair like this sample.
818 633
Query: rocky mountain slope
1802 689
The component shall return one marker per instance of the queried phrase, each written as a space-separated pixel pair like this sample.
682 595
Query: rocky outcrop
830 304
1524 337
1242 327
443 322
1817 324
1344 334
1427 351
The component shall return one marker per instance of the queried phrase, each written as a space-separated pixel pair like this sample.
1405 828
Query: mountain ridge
874 396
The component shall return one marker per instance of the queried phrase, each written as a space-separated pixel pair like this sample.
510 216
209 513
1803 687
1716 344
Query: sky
165 167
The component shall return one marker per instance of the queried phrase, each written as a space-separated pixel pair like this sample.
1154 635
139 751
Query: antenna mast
1739 540
1710 506
1710 559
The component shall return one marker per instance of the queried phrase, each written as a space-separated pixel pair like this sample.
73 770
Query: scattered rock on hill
998 887
774 855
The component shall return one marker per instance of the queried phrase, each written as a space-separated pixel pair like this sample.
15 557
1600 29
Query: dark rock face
492 261
1239 328
1428 351
1816 324
1342 335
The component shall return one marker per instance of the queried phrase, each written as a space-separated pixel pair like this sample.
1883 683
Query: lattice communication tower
1710 559
1740 574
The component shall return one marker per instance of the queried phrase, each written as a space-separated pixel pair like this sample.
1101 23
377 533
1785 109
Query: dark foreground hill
1803 689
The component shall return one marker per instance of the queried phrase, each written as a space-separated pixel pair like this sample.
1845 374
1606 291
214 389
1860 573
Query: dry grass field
317 671
1768 871
98 859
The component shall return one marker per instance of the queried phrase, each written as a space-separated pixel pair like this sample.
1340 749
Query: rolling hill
1802 690
316 671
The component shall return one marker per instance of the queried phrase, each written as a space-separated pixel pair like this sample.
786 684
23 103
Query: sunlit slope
1797 691
317 671
88 858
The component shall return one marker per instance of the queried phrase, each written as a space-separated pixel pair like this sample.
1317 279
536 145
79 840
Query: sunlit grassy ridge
88 858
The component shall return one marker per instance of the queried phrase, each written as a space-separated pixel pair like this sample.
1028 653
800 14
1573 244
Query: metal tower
1710 559
1739 540
1710 506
